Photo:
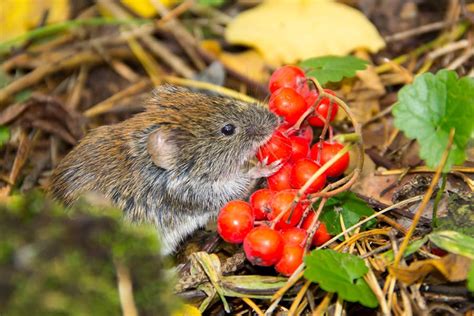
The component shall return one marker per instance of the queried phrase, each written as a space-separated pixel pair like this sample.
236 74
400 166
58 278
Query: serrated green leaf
4 135
428 108
333 68
350 207
470 278
454 242
340 273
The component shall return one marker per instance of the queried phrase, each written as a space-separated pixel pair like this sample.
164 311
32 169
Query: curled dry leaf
453 267
288 31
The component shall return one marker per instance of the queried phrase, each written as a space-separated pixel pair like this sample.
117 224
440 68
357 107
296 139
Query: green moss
62 262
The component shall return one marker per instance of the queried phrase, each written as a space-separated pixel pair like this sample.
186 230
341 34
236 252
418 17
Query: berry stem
313 227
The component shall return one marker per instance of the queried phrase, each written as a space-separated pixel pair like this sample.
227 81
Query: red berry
263 246
280 180
311 97
235 220
328 151
294 236
306 132
321 236
286 102
260 201
322 108
300 148
291 259
277 148
283 202
302 171
287 77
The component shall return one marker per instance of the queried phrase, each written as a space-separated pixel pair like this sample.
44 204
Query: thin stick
426 199
424 169
298 298
254 306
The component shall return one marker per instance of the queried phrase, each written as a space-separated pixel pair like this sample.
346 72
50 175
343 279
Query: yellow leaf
249 63
187 310
286 31
145 8
19 16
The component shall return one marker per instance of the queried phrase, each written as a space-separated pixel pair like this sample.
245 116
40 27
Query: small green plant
430 107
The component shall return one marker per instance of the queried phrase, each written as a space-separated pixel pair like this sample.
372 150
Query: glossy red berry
234 221
302 171
321 236
263 246
322 108
283 202
329 150
287 77
277 148
260 201
306 132
287 103
280 180
294 236
300 148
290 260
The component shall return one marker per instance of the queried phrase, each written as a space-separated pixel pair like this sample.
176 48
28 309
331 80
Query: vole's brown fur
170 165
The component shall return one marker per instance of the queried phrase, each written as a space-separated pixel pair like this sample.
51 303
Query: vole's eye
228 129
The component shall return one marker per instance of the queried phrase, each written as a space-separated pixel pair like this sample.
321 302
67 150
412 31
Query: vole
173 165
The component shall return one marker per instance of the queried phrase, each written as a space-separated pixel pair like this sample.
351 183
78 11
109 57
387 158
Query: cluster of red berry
281 235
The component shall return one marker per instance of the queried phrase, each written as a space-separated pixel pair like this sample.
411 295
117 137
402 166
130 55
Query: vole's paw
262 169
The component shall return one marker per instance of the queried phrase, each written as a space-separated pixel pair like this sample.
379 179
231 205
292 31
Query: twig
254 306
418 31
109 103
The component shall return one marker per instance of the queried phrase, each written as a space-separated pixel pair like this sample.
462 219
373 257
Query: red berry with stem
282 202
321 235
306 132
302 171
287 77
290 260
300 148
287 103
260 201
277 148
280 180
294 236
328 150
263 246
322 109
234 221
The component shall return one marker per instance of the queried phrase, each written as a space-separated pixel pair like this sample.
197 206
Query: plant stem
425 200
438 197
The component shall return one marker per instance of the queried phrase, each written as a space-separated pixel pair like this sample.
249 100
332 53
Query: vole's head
204 135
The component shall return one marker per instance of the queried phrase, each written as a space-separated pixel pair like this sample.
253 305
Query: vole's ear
165 95
162 149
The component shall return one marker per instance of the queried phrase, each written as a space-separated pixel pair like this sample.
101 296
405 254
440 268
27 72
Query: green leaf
340 273
4 135
428 108
332 68
454 242
211 3
413 247
350 207
470 278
